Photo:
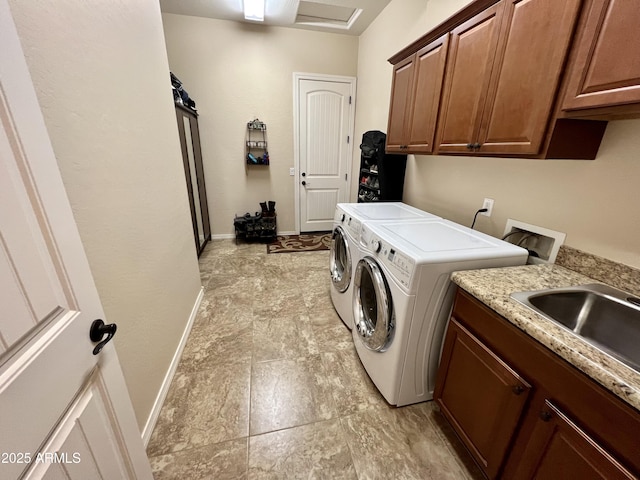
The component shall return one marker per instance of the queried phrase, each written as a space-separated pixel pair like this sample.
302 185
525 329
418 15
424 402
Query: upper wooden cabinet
473 50
606 70
504 74
417 82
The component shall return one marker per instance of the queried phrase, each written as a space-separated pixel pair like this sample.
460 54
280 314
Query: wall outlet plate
543 241
292 171
488 204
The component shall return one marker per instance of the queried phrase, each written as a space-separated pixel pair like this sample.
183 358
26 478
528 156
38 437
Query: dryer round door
373 309
340 260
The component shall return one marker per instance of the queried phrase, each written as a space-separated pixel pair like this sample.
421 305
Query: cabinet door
400 104
558 448
480 395
425 99
533 46
471 54
606 70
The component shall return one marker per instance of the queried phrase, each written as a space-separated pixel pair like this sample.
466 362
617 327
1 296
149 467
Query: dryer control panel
353 226
350 224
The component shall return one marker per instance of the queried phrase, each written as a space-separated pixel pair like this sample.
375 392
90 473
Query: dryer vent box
543 244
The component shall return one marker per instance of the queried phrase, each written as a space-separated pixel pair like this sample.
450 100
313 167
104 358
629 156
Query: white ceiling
350 17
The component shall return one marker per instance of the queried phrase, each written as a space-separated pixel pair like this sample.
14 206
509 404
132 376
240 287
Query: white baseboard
223 236
231 236
166 383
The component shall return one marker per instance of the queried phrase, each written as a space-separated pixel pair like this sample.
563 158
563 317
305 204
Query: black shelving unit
381 174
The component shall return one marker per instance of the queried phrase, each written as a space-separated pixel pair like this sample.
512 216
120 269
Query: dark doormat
307 242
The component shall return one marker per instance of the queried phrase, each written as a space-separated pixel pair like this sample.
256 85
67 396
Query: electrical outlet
292 171
488 204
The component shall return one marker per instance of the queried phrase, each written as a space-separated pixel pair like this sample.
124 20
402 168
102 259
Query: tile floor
270 386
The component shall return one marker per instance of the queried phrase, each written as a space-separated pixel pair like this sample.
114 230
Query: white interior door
325 107
65 413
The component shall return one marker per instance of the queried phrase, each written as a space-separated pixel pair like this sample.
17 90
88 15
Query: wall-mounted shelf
256 151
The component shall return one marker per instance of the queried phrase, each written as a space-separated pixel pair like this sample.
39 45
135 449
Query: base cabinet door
481 396
558 449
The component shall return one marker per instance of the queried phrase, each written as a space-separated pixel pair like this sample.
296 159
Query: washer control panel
400 265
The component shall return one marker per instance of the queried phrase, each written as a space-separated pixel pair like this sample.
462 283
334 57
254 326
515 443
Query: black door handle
97 331
304 183
304 174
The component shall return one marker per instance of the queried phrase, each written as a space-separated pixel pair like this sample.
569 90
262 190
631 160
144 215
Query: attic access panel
322 13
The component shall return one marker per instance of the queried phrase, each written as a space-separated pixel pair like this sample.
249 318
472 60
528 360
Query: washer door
340 260
373 310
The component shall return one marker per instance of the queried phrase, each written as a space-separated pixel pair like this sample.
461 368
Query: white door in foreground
65 413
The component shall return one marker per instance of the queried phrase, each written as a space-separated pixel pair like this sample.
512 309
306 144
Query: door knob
304 183
98 330
304 174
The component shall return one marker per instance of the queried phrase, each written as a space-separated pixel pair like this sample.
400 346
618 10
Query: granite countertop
493 287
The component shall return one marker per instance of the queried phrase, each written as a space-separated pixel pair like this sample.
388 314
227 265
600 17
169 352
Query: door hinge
348 138
345 177
349 99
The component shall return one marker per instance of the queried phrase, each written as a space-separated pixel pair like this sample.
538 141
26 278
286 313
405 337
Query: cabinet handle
545 416
469 146
517 389
476 145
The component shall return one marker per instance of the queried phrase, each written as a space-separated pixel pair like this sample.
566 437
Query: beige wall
594 202
102 78
237 72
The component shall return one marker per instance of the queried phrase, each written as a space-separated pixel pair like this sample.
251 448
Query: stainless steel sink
604 316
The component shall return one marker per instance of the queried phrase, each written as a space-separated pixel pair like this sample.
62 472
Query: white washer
403 296
345 251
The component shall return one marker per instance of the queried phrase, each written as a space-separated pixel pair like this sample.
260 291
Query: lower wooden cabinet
558 448
522 411
481 396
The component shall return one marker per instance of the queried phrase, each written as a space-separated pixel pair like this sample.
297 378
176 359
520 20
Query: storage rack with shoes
381 174
262 226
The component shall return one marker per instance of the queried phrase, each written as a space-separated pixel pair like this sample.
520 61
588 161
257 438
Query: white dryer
403 297
345 240
395 211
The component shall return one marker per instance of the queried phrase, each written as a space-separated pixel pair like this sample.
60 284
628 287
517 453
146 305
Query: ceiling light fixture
254 10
